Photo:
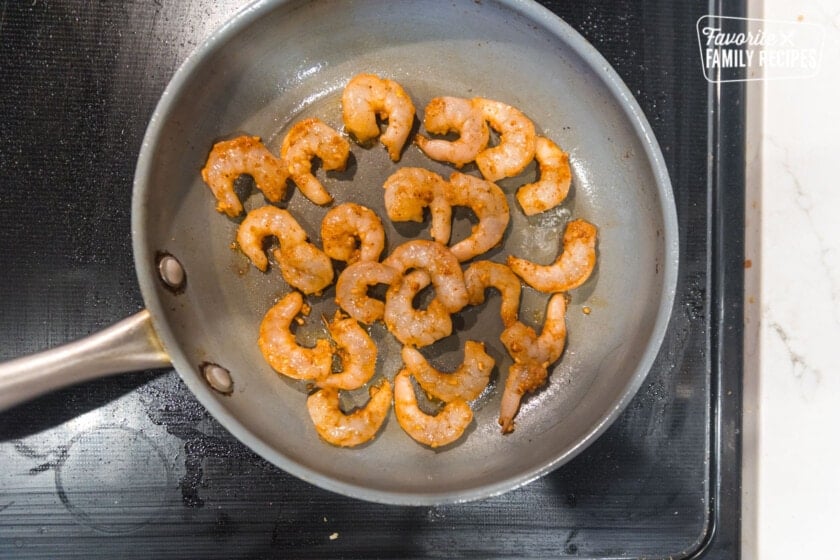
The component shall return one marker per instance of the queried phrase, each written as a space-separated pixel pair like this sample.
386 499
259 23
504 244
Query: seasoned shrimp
351 232
313 138
487 274
532 356
441 265
411 326
571 268
554 182
302 265
367 96
467 382
245 155
490 206
351 289
356 428
357 352
281 350
435 431
409 190
517 141
454 114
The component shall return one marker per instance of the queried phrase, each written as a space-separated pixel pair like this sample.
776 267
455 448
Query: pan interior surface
278 63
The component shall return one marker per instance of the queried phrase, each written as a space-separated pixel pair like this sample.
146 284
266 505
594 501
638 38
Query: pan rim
144 260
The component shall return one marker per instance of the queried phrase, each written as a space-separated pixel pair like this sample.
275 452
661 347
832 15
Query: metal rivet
171 272
218 378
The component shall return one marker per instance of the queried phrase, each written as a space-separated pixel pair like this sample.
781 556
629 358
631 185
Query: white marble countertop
792 387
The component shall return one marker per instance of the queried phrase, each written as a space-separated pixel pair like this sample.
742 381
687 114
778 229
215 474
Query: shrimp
245 155
409 190
305 140
357 352
356 428
555 179
487 274
417 327
281 350
440 263
467 382
489 204
367 96
302 264
532 356
435 431
517 142
346 223
352 286
454 114
571 268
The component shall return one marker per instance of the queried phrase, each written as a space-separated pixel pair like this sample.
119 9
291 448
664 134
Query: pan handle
129 345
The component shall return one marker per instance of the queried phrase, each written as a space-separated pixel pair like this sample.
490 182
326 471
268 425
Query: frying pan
278 62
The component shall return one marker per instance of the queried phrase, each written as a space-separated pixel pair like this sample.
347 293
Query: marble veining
800 365
822 238
792 444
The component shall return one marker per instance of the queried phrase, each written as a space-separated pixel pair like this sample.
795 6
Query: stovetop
133 466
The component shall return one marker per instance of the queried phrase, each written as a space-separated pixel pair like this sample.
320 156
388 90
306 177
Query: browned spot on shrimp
367 96
466 382
411 189
308 139
244 155
356 428
532 356
351 232
280 349
454 114
302 264
416 327
490 206
440 263
517 141
351 289
571 268
487 274
357 352
554 182
445 427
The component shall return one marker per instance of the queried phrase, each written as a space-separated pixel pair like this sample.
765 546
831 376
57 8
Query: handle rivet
217 377
171 272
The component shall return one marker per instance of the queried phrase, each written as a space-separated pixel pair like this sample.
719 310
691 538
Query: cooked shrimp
490 206
440 263
367 96
435 431
351 289
487 274
302 264
357 353
308 139
281 350
517 141
351 232
532 356
411 326
356 428
409 190
571 268
454 114
467 382
245 155
554 182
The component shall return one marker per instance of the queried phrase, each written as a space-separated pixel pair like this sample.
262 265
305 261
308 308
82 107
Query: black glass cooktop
133 466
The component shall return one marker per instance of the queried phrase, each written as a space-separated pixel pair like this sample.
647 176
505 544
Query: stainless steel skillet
277 62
